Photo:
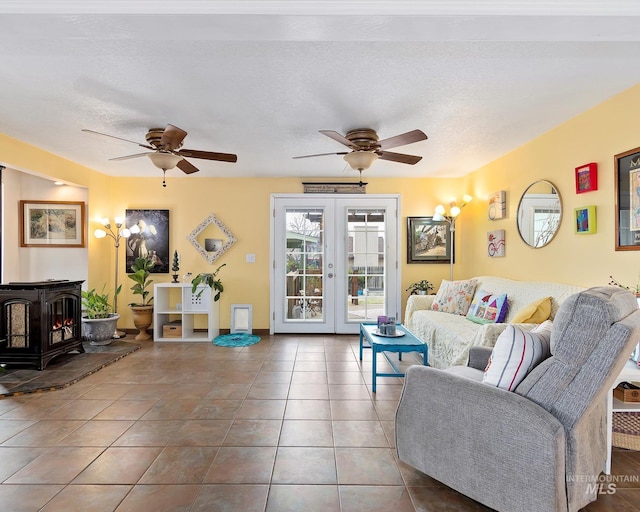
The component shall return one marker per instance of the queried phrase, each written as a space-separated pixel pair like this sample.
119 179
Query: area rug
236 339
64 370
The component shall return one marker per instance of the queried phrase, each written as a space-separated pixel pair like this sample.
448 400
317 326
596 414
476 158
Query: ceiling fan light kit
164 160
165 153
366 147
360 160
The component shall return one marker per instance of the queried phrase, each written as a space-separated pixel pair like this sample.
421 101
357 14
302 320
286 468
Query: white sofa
449 337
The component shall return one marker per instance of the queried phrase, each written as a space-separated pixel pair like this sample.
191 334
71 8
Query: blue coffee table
384 344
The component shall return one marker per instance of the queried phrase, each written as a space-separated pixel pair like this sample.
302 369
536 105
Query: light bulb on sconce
440 211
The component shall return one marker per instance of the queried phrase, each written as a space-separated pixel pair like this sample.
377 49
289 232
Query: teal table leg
374 351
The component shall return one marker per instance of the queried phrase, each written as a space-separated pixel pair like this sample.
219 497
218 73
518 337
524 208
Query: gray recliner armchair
542 447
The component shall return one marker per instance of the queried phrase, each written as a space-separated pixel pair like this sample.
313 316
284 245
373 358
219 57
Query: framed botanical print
52 224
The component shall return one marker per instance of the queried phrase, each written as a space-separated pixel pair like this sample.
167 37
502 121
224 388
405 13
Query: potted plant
98 321
420 287
210 279
142 311
175 266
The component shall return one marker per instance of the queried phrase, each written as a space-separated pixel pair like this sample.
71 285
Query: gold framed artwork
52 224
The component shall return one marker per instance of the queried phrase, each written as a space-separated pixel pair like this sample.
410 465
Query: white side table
630 372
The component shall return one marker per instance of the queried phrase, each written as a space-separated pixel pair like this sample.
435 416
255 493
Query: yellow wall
243 205
587 260
30 159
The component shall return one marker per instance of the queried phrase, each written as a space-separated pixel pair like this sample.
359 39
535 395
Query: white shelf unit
198 315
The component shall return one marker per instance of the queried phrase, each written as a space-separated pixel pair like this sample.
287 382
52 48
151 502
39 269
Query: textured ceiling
259 79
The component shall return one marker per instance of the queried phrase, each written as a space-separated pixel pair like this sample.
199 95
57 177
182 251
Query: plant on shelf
420 287
210 279
175 266
142 311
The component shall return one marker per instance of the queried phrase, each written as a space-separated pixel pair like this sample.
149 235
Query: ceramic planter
142 319
99 331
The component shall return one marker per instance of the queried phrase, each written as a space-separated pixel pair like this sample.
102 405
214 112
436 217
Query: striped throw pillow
516 353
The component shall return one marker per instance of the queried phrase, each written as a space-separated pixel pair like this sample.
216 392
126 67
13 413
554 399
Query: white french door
335 261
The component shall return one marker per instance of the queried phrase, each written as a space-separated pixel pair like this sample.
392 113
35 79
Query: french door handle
329 275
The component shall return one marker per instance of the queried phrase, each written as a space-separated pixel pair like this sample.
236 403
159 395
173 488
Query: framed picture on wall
149 238
627 190
497 205
586 178
52 224
428 240
495 243
585 220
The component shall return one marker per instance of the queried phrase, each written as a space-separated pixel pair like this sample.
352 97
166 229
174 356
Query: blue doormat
236 339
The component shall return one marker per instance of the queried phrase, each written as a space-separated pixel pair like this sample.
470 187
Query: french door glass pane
304 260
365 263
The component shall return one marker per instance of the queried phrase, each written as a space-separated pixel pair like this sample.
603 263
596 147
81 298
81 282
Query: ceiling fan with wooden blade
164 150
366 148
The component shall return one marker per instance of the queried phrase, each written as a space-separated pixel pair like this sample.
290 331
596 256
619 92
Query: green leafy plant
140 276
420 286
211 280
96 305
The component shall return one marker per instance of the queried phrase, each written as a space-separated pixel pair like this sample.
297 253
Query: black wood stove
39 321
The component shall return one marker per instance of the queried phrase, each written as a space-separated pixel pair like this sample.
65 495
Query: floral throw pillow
454 296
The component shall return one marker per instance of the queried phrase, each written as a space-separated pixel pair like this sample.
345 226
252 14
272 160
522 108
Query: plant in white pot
142 311
420 287
98 321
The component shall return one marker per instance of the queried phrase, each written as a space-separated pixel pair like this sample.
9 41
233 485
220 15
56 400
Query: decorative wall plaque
337 187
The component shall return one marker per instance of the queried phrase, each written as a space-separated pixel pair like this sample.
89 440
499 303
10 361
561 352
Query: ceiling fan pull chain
164 175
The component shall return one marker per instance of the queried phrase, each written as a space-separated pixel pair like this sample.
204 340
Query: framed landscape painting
428 240
52 224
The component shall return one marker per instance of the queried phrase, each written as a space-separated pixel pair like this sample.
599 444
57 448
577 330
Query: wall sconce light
441 215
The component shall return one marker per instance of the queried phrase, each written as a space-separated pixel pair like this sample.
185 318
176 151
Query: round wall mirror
539 213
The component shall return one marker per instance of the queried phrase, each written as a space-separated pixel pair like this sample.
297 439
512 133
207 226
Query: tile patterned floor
289 424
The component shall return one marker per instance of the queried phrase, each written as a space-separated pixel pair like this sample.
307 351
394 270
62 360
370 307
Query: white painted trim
330 7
